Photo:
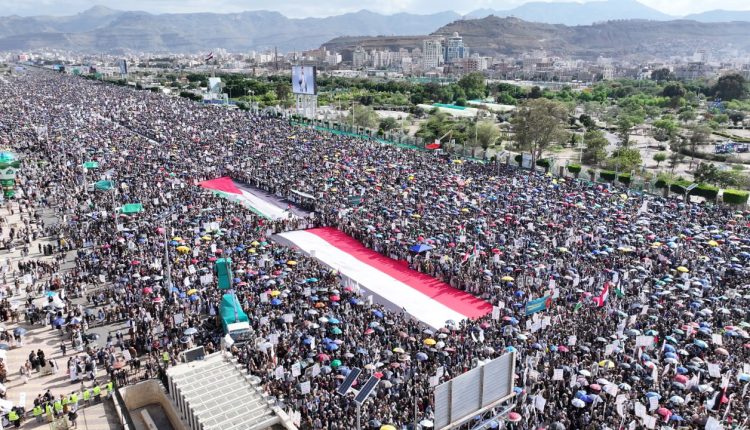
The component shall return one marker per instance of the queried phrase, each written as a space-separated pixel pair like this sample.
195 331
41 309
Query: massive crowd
666 346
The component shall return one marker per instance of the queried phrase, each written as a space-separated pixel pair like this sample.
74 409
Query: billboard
214 85
303 80
123 65
473 392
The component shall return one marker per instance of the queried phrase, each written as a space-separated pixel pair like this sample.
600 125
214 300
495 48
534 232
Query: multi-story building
359 57
455 49
432 54
333 59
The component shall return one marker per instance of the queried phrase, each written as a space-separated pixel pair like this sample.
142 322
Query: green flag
103 185
619 293
131 208
91 165
579 305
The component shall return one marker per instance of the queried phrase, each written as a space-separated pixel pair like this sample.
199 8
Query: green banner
131 208
103 185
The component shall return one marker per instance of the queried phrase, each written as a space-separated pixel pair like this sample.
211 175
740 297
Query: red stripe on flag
457 300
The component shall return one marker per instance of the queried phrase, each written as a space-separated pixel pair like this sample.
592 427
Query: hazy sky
317 8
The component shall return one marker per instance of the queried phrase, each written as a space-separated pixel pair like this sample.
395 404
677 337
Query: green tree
699 135
736 117
363 116
388 124
596 147
366 99
487 134
282 91
662 75
730 87
664 128
675 92
535 92
687 115
676 143
706 173
673 89
624 124
473 85
538 123
587 121
659 157
625 159
436 126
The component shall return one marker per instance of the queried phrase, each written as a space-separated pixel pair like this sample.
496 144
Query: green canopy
91 165
103 185
132 208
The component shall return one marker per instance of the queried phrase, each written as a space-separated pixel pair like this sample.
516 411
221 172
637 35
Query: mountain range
101 29
495 36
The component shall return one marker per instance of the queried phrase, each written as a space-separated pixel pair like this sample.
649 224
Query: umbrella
426 424
514 417
429 341
609 364
336 363
19 331
578 403
421 247
683 269
701 344
387 427
191 291
664 412
190 331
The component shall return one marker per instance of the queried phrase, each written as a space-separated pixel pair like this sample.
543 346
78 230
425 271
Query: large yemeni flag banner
227 188
422 296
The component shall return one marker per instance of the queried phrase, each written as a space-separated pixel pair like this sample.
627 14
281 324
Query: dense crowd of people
646 322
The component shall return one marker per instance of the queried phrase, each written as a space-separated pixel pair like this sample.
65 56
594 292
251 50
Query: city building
455 49
432 54
359 57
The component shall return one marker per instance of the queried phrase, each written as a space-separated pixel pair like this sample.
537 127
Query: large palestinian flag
227 188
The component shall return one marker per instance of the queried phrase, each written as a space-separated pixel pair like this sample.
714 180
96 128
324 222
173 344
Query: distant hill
495 36
572 13
100 29
721 16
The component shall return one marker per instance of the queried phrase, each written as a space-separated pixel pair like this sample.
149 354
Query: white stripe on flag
421 306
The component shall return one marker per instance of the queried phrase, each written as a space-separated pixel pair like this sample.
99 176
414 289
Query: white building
359 57
432 53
